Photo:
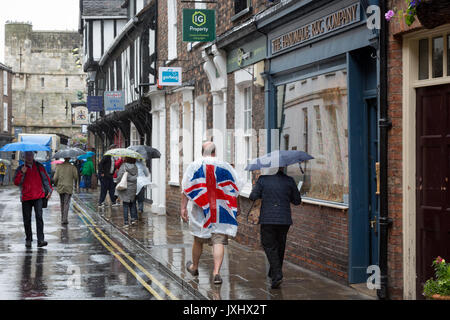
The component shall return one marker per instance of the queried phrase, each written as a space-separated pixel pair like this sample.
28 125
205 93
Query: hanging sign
114 100
95 103
81 115
199 25
169 76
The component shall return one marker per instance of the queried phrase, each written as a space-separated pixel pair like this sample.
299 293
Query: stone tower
46 78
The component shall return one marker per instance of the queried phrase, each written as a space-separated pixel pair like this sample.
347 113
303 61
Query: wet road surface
80 262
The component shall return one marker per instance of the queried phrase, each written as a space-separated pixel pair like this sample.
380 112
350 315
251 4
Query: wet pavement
167 242
80 262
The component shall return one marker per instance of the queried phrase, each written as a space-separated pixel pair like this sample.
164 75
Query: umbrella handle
300 166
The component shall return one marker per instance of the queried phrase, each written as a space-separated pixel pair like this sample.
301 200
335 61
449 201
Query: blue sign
95 103
170 76
114 101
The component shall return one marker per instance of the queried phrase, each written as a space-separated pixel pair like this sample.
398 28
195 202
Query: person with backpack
35 187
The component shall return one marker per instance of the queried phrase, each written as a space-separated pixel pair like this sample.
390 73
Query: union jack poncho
213 187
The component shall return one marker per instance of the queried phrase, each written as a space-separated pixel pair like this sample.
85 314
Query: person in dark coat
106 169
277 192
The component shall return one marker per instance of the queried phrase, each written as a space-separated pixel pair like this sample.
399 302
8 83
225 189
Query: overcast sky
43 14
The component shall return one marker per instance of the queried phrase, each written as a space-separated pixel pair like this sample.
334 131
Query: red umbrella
57 162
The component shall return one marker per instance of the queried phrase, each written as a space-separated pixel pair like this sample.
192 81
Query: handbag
122 185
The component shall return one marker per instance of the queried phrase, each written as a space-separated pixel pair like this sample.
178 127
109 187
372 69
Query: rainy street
80 262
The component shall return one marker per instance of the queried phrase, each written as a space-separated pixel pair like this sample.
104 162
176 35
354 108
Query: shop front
321 98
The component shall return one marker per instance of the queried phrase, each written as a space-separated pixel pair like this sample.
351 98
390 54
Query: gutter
384 126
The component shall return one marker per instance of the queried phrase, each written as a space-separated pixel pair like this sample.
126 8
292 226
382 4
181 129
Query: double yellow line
91 225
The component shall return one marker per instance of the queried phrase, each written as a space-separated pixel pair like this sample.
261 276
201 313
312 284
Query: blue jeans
132 206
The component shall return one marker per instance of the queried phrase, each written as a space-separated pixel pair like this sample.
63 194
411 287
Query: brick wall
395 162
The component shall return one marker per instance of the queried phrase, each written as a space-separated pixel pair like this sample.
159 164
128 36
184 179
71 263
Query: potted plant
439 288
430 13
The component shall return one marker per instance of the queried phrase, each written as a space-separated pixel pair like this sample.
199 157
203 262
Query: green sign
247 54
199 25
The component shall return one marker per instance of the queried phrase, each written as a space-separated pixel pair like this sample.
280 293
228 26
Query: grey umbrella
146 151
278 158
72 152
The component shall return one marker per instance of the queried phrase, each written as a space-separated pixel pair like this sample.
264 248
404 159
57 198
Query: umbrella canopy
7 162
278 158
23 146
86 155
69 153
146 151
57 162
122 152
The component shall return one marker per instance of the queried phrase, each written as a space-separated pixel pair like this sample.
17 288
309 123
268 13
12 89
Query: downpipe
384 125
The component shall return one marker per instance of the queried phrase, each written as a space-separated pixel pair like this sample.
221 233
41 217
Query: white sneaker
115 205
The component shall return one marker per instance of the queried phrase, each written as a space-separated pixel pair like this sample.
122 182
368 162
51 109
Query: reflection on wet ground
167 239
74 265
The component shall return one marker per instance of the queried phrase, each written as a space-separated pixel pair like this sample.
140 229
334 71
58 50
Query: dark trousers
140 199
27 208
273 240
107 185
133 212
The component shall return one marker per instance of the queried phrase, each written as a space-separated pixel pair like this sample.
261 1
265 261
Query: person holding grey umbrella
65 176
277 192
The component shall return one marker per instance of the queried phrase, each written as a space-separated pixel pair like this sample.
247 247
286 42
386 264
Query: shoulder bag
122 185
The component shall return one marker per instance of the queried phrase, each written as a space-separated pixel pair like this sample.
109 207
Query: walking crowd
210 200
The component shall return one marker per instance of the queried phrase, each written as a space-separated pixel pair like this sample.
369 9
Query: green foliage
440 285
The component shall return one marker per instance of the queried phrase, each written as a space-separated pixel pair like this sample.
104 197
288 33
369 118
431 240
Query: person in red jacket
34 185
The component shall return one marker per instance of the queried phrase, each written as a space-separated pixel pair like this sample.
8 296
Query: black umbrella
146 151
278 158
69 153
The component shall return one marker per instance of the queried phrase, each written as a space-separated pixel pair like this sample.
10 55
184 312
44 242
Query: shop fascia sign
170 76
199 25
114 100
317 28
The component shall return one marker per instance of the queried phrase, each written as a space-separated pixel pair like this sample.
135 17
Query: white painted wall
96 41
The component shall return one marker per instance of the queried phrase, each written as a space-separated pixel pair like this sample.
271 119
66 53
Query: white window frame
174 145
172 29
5 83
5 116
135 138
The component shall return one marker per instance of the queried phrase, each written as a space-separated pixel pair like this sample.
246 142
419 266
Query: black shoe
217 279
28 244
276 283
42 243
188 268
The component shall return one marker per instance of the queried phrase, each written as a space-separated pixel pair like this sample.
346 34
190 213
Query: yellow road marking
153 279
126 265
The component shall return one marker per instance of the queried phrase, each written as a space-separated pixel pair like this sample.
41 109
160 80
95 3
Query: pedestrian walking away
87 172
210 187
106 170
65 176
34 185
277 192
128 195
2 172
143 181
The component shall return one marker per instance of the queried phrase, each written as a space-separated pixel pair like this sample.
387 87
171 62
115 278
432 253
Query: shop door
373 212
432 180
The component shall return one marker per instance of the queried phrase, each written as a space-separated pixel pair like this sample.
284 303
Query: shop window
134 135
326 177
438 57
423 59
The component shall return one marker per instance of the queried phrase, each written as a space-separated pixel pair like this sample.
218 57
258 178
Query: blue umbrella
85 156
278 158
23 146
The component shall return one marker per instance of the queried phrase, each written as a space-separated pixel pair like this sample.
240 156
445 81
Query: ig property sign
199 25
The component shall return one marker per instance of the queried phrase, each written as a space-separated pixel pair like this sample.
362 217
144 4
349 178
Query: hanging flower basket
433 13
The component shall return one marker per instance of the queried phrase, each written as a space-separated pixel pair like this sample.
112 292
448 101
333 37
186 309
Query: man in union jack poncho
212 187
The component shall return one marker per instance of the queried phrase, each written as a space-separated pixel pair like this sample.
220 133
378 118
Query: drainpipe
384 126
